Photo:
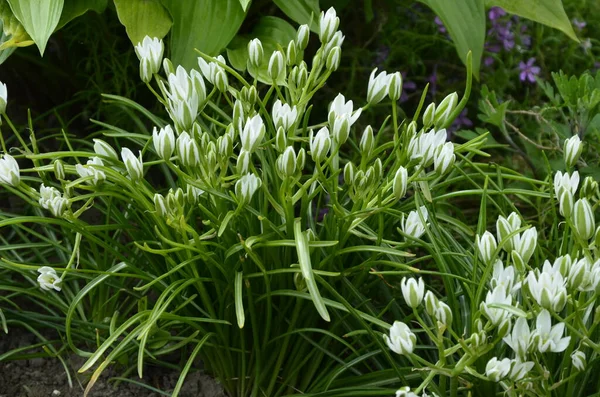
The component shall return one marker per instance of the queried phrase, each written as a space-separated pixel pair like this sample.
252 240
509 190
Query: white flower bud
52 200
159 205
246 186
164 142
134 165
548 289
328 24
578 359
572 150
566 181
504 227
319 144
102 148
445 109
443 314
221 81
48 279
302 36
583 219
290 53
284 115
525 243
378 87
486 245
224 147
255 52
301 159
150 53
333 59
496 369
59 170
243 162
431 303
276 66
349 172
281 139
90 170
565 202
367 141
413 225
286 163
187 150
3 98
395 86
9 171
252 134
412 291
168 66
444 159
401 339
400 183
301 75
428 115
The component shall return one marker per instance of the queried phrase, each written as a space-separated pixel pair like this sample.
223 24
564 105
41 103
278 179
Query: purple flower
579 25
488 61
432 80
440 24
496 13
528 70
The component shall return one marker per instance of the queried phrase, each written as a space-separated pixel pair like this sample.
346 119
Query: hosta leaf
301 11
38 17
465 21
206 25
548 12
245 4
75 8
273 32
143 18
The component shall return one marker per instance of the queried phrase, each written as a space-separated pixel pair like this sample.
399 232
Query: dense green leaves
143 17
206 25
38 17
465 21
547 12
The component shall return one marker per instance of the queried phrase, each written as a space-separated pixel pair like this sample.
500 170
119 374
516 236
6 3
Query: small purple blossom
496 13
440 25
432 80
579 25
488 61
528 71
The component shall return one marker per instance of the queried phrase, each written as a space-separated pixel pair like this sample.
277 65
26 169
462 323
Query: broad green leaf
206 25
143 18
38 17
245 4
75 8
15 33
301 11
465 21
273 32
548 12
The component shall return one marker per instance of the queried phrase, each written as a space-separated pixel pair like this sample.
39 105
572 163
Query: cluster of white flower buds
10 173
52 200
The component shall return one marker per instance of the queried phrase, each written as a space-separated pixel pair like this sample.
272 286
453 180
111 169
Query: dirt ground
46 377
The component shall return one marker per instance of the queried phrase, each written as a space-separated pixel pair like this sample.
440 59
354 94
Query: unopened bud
276 66
428 116
291 52
367 141
255 52
400 184
395 86
445 109
302 37
333 59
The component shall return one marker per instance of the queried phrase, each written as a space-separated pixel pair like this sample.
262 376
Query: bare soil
46 377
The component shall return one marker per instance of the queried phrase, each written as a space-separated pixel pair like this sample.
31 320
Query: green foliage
143 18
38 17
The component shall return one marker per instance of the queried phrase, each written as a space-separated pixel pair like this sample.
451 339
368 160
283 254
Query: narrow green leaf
302 11
548 12
465 21
306 267
239 304
38 17
206 25
143 18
